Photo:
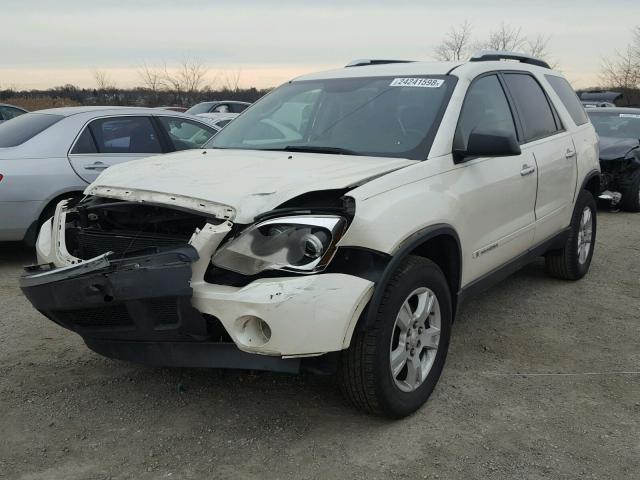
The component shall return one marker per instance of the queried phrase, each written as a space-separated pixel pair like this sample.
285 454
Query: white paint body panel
249 181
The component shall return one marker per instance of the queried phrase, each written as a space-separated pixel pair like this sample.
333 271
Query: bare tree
192 74
456 44
185 81
151 77
103 80
506 38
537 46
621 71
231 80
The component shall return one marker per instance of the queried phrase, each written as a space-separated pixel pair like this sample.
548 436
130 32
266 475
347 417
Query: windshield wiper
317 149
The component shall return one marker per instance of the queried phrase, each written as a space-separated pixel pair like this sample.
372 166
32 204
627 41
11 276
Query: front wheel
391 368
573 260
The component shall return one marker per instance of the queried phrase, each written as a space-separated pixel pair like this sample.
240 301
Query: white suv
336 225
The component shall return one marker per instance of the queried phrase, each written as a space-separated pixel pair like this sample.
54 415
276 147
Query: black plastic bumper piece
138 308
191 354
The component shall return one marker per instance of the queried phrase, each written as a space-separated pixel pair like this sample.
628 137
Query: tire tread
357 364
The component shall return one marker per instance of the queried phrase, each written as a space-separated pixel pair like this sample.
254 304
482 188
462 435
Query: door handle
527 170
569 154
96 166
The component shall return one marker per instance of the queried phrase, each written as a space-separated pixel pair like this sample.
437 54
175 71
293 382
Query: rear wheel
631 194
392 368
573 260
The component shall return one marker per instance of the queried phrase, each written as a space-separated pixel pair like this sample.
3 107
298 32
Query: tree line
191 81
159 85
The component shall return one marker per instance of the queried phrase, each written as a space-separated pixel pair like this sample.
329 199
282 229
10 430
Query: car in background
7 112
222 106
599 98
619 137
173 109
53 154
218 120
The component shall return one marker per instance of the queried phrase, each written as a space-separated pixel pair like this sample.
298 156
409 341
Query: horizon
268 43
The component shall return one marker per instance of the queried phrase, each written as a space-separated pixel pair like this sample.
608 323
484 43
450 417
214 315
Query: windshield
617 125
18 130
376 116
200 108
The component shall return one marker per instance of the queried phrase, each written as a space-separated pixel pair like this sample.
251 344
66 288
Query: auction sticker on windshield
417 82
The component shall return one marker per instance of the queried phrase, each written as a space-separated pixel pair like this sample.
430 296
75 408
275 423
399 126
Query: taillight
1 177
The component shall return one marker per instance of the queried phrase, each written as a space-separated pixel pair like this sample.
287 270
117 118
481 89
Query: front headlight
302 244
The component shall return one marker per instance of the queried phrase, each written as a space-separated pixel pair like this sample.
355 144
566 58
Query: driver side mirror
488 143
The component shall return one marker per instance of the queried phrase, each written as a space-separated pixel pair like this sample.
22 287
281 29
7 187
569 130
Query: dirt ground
542 381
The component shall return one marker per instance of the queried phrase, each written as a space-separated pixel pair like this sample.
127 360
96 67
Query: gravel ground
542 381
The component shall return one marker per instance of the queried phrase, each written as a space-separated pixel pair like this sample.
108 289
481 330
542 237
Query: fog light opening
253 331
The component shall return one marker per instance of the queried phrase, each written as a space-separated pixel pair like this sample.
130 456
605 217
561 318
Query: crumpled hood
246 182
615 148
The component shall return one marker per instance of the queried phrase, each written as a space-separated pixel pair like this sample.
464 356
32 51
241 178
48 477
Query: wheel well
593 185
444 251
32 233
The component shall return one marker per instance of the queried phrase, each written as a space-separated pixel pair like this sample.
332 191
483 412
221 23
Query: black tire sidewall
393 401
585 199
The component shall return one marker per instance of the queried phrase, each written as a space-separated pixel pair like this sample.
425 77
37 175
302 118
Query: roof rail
489 55
370 61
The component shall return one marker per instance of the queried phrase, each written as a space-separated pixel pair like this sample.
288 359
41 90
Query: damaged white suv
336 225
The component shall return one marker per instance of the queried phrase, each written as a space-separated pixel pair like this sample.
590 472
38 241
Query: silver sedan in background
49 155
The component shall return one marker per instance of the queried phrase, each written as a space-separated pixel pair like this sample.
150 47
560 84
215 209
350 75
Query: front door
498 193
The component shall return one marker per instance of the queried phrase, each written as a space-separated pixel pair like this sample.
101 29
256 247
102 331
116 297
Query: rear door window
569 99
25 127
186 134
535 111
85 144
7 113
125 135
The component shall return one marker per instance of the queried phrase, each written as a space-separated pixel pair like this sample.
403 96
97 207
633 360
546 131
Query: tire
365 373
631 194
568 263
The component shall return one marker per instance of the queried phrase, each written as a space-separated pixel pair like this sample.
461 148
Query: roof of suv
460 69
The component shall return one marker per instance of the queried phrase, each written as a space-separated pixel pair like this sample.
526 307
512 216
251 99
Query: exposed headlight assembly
301 244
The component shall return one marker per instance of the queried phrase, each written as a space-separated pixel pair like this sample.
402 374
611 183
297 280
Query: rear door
104 142
552 146
498 193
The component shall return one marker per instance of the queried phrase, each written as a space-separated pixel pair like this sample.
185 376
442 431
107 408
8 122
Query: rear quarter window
19 130
568 98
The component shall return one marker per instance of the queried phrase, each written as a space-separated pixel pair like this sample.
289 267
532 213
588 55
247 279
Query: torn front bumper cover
139 309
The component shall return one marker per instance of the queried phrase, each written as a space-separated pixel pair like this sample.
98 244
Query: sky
45 43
